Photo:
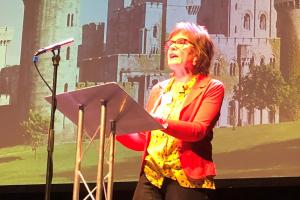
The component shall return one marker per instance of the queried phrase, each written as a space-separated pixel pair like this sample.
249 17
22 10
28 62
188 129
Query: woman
177 162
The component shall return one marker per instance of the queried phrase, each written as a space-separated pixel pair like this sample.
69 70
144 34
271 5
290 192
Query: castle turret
288 29
47 22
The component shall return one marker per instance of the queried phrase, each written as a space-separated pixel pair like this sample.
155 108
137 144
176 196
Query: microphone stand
50 148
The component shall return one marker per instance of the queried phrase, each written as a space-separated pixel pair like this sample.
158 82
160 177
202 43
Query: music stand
119 114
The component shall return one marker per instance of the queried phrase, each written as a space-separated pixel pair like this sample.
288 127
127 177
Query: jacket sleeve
133 141
206 117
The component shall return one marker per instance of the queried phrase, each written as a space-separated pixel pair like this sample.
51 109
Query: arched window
66 87
68 53
68 20
235 7
262 61
72 20
272 61
247 21
252 62
232 69
217 67
235 29
155 31
262 22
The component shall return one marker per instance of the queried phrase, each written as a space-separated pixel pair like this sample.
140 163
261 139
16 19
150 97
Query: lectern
105 111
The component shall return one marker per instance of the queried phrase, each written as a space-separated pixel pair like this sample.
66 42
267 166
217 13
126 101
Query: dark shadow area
247 189
9 133
9 159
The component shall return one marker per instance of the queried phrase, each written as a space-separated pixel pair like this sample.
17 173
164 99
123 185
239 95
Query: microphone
54 46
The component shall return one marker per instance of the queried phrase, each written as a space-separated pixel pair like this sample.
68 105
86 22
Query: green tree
290 107
263 87
35 130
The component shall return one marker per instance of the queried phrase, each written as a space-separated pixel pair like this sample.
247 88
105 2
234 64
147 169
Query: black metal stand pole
163 34
50 148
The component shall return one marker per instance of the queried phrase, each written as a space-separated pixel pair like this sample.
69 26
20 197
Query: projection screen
257 58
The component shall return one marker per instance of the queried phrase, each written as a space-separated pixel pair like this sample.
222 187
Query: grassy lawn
244 152
19 166
227 139
258 151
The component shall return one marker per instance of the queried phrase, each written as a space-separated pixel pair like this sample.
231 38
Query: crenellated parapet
222 40
93 27
288 29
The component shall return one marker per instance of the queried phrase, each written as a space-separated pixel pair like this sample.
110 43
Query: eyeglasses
180 43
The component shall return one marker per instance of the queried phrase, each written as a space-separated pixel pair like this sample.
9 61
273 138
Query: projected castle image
126 45
244 33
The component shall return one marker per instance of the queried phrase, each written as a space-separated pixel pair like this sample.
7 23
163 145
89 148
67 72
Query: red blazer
197 118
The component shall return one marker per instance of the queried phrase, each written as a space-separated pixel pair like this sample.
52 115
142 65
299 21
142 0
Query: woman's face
181 54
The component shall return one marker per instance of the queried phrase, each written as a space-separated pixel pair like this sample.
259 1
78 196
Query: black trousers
170 190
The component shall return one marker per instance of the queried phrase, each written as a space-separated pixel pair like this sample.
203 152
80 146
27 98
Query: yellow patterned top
163 156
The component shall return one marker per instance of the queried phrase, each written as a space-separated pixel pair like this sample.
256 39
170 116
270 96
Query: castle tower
92 47
92 41
136 29
47 22
112 34
288 29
